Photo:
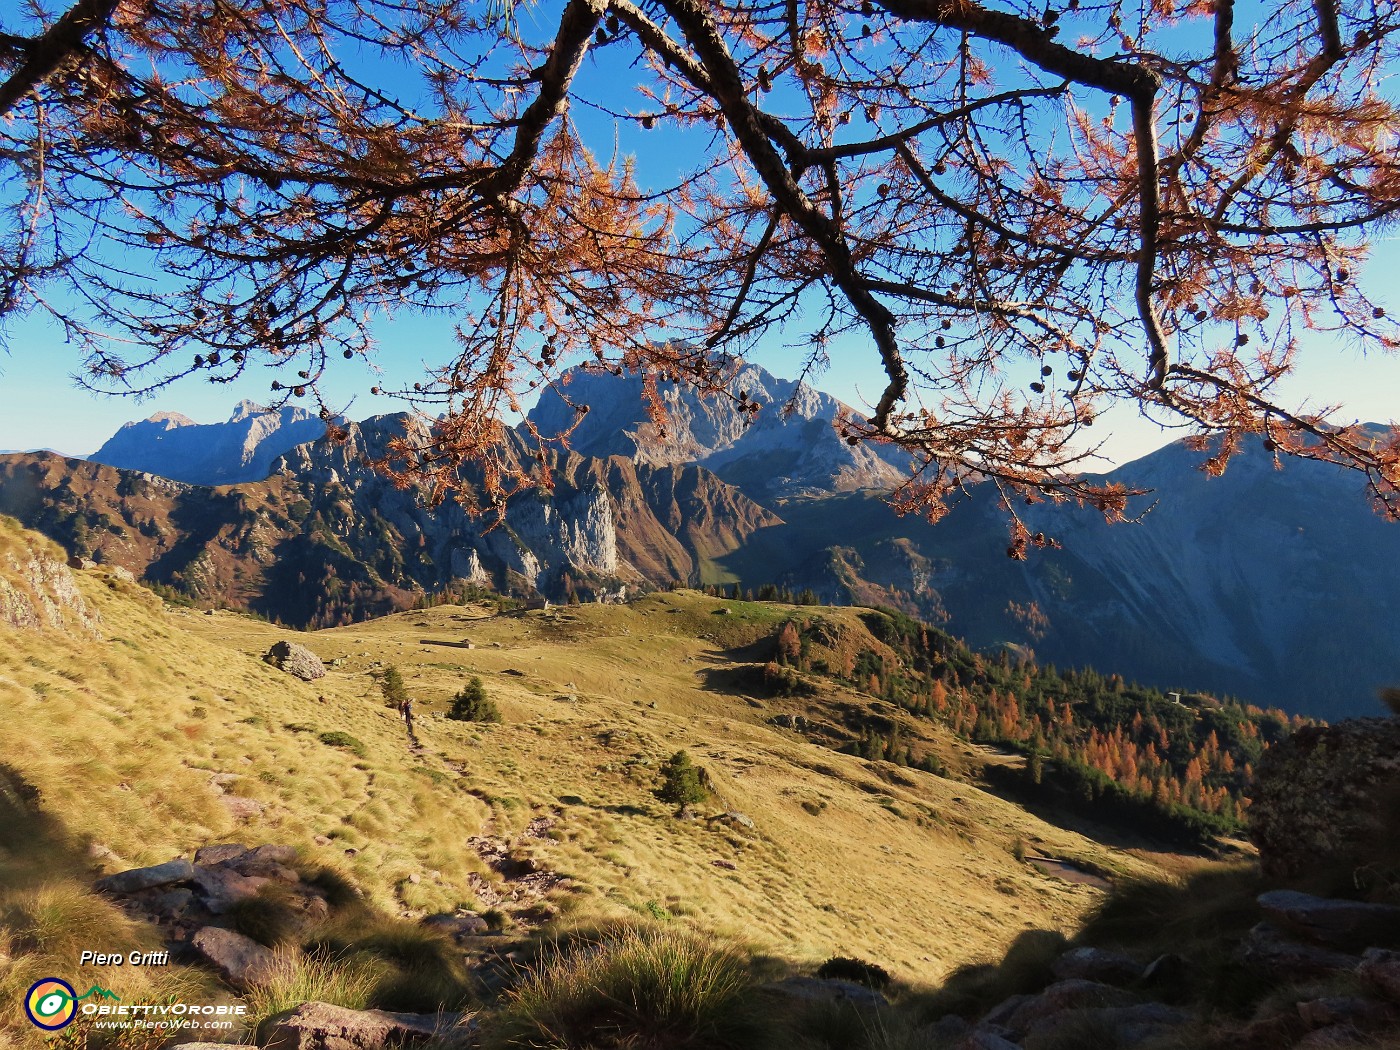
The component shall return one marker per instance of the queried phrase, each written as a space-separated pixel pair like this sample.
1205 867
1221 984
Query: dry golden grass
138 742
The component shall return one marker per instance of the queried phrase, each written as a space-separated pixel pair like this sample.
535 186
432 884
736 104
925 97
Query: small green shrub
473 705
337 738
391 685
496 919
637 987
841 968
682 781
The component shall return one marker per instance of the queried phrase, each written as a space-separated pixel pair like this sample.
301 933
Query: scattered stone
1381 968
1270 1033
1349 925
1131 1024
1267 948
321 840
1335 1037
1348 1010
999 1015
241 961
1071 994
122 573
727 865
946 1029
1166 971
241 808
219 781
815 989
210 855
170 906
1096 964
127 882
81 563
321 1026
100 853
457 926
797 722
985 1039
296 660
270 852
733 817
415 878
222 888
268 862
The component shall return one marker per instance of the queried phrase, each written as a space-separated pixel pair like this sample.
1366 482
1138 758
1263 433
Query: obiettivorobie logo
51 1003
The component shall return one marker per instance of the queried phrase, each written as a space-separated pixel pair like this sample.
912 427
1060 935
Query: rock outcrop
1103 997
243 963
1325 799
183 898
296 660
322 1026
37 589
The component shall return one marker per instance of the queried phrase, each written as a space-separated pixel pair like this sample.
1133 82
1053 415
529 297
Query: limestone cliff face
37 589
791 449
571 530
241 449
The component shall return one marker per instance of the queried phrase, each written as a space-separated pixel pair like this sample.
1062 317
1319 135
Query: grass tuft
268 918
639 987
324 977
340 738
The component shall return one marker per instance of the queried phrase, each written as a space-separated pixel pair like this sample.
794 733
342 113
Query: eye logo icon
51 1004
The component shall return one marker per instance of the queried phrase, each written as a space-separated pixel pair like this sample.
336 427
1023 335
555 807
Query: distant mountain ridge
1278 586
326 540
243 448
781 454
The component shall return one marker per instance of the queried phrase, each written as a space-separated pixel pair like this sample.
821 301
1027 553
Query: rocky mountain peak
241 449
166 421
791 448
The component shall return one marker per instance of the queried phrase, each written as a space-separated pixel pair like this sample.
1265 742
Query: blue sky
40 407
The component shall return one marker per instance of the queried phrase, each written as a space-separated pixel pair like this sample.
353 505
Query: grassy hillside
170 732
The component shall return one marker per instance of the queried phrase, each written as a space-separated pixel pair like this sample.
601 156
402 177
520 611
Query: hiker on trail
407 709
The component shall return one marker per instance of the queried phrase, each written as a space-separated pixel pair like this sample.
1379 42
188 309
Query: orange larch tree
1029 211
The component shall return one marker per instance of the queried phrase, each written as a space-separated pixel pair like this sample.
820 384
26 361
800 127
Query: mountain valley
1266 583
